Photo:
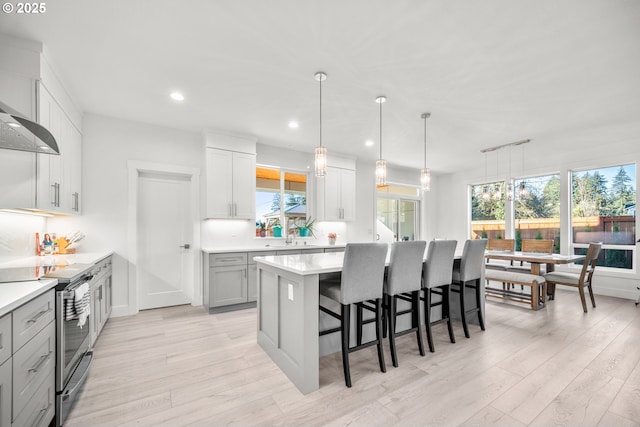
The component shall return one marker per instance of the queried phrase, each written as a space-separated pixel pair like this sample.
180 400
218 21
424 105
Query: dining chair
544 246
499 245
437 276
361 283
577 280
403 282
467 274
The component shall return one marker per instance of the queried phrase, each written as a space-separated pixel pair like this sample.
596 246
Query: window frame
399 198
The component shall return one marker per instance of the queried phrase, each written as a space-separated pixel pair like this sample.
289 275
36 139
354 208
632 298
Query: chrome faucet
290 237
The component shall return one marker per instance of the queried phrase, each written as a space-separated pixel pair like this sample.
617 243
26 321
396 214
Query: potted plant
277 228
332 238
261 226
306 228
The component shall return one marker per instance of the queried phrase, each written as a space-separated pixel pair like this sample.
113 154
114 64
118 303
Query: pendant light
486 192
381 165
523 192
497 193
425 173
509 191
321 152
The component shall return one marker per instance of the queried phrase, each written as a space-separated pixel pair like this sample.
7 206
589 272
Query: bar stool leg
463 310
379 323
359 324
391 312
445 312
427 318
479 305
415 319
345 322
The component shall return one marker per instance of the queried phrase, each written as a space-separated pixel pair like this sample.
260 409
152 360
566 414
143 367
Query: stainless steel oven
73 353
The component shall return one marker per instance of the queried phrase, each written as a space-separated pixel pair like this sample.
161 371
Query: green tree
590 195
622 193
551 198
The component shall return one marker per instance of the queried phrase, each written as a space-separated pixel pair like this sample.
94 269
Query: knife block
62 246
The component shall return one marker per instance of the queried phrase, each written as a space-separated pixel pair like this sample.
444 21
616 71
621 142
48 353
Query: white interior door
165 273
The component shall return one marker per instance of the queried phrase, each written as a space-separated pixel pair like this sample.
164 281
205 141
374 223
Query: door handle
185 246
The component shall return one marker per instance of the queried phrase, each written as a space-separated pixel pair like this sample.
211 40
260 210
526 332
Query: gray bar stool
437 278
361 284
404 282
467 274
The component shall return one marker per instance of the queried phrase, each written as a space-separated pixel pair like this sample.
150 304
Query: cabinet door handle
53 202
230 209
41 413
235 209
41 362
35 318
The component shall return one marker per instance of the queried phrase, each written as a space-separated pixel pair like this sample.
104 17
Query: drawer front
327 250
221 260
30 318
252 255
5 393
313 251
5 338
40 409
290 252
32 364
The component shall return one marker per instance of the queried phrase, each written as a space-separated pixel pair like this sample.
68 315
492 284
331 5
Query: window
397 213
537 209
281 198
487 211
603 209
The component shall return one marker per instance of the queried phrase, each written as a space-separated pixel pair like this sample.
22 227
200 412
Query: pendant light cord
320 110
380 130
425 142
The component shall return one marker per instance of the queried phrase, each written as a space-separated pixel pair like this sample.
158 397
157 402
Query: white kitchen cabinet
59 177
231 184
29 85
339 191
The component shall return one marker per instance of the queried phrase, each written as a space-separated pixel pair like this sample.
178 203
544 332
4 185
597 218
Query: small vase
263 233
304 232
277 232
332 241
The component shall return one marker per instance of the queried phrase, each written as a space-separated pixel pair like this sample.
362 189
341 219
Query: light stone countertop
305 264
53 260
14 294
267 247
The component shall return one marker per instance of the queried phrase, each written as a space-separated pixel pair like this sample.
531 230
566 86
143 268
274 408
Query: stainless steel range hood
22 134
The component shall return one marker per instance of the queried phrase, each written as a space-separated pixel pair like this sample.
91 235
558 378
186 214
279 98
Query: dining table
536 259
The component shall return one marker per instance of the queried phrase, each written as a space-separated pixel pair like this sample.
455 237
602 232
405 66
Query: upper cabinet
39 181
231 176
337 194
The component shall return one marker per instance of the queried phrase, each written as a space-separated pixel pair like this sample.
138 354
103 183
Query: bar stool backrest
362 272
438 268
472 262
405 267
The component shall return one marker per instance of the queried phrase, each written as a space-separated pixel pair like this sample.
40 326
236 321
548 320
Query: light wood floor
179 366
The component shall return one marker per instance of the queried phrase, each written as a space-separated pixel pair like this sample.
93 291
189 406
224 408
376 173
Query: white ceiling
490 72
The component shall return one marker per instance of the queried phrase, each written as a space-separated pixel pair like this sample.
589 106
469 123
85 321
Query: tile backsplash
17 234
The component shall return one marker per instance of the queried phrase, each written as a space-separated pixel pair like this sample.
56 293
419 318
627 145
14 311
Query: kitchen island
289 320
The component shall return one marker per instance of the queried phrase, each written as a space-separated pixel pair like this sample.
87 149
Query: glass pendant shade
509 192
497 193
321 161
486 194
381 172
425 179
523 192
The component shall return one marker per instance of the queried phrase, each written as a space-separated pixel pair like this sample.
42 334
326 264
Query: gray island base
289 320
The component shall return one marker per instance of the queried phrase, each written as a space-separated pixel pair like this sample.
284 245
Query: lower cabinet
231 279
100 293
27 375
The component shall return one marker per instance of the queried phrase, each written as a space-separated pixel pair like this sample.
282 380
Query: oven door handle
83 377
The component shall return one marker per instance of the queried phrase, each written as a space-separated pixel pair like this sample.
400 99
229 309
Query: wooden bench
537 297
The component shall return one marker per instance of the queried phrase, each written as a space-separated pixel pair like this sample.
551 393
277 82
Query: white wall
18 234
108 143
597 147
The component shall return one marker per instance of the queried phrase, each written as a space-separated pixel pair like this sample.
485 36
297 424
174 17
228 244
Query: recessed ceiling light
368 143
293 124
177 96
14 125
